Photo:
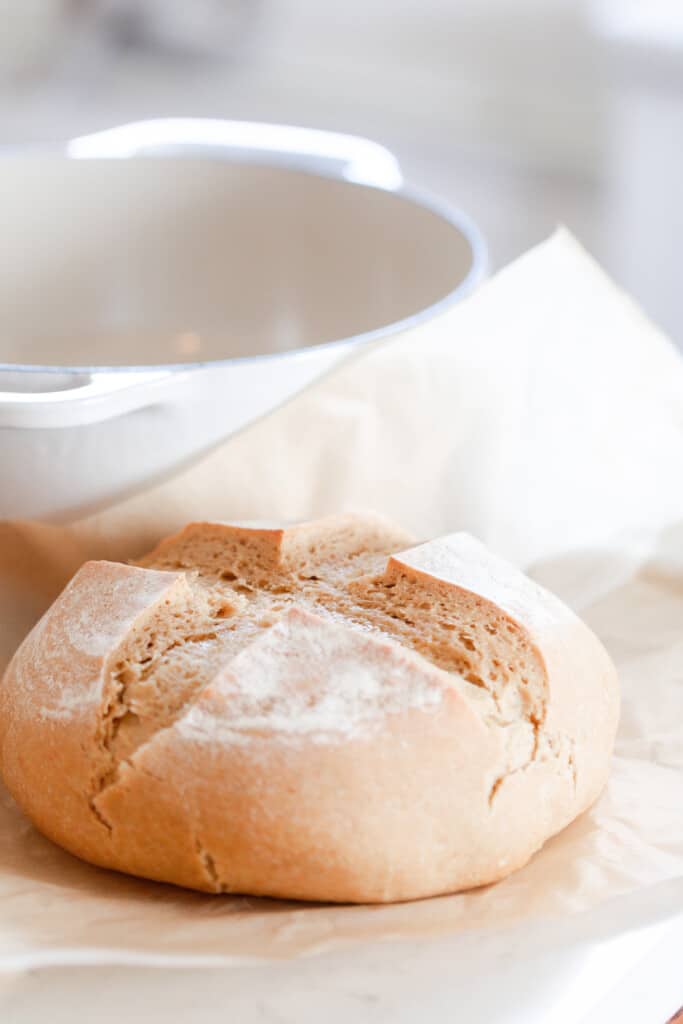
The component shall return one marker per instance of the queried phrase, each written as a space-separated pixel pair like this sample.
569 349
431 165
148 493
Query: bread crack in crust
322 711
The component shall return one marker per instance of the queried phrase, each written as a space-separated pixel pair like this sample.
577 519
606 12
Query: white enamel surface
345 156
264 251
58 473
75 399
186 260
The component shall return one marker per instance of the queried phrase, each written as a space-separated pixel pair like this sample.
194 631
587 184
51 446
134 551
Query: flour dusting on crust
310 676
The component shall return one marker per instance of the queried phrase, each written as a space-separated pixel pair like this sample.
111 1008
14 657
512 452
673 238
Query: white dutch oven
149 308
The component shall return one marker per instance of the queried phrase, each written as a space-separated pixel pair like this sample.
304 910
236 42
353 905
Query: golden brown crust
304 712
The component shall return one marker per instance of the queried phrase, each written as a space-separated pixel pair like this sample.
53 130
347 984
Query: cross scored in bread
318 711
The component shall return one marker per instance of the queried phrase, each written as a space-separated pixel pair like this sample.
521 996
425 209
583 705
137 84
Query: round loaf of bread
317 712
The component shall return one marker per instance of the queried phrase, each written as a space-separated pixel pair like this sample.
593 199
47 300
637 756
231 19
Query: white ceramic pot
149 308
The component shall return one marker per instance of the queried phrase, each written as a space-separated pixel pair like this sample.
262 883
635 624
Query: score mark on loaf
317 712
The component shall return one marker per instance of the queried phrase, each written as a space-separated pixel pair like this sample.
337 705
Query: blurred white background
524 112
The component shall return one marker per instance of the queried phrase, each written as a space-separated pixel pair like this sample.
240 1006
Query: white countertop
635 979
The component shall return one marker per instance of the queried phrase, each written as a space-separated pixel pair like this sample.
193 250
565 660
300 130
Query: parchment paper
545 414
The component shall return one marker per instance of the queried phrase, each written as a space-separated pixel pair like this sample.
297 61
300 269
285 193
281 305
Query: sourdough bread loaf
324 711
